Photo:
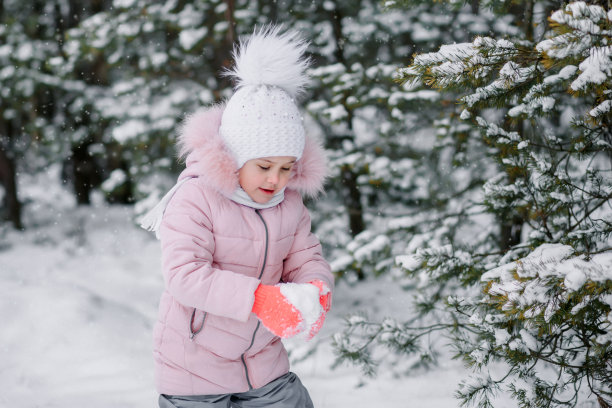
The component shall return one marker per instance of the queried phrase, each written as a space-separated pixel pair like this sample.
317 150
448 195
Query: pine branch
605 200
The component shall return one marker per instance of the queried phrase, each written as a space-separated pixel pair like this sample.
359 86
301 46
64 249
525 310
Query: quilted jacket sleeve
305 261
187 259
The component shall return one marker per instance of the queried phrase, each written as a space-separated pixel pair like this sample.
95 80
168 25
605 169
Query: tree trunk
223 49
10 204
231 22
115 160
510 233
523 11
83 172
511 227
350 188
475 6
335 18
352 200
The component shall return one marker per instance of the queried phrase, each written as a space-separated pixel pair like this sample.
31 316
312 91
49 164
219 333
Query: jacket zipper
243 356
266 249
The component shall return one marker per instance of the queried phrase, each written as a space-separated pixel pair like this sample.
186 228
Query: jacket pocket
226 337
196 323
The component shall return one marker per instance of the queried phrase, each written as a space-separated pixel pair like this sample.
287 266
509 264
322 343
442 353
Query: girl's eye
264 168
286 169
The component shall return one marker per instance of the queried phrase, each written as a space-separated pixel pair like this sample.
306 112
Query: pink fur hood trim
207 156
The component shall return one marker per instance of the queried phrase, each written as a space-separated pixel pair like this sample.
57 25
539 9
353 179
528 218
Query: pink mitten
276 313
325 301
324 294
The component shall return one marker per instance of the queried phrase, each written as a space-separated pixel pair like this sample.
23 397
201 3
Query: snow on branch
455 64
525 286
596 68
583 18
603 108
583 34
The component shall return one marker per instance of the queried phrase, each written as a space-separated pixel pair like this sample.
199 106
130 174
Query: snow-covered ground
78 299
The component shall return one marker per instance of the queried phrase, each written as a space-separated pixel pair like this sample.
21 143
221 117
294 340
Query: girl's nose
273 177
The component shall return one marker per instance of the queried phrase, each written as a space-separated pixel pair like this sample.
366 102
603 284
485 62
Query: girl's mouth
267 191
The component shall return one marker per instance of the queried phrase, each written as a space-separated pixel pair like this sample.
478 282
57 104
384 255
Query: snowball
305 298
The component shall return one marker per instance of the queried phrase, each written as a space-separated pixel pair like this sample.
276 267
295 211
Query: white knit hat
262 119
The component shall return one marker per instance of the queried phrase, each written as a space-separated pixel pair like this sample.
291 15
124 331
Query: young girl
240 265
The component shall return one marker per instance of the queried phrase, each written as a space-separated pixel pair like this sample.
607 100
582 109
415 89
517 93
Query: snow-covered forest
467 216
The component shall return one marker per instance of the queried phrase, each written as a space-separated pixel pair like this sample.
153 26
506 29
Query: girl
240 265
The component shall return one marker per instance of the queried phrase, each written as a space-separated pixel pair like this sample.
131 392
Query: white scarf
152 220
241 197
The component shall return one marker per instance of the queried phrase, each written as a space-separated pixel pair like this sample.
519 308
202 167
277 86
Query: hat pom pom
269 57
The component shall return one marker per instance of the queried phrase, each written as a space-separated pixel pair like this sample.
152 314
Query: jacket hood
208 157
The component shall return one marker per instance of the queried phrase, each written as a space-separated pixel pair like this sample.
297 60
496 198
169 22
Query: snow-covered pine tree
156 60
531 291
384 164
160 59
19 64
422 175
32 97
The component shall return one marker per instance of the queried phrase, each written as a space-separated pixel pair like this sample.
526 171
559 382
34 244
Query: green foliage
549 322
458 173
28 88
514 266
151 64
378 135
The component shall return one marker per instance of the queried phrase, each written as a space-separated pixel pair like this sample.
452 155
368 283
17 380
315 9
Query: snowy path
78 309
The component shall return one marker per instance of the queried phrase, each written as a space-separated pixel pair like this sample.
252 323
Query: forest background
469 145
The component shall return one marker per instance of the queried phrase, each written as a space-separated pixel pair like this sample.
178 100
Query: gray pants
284 392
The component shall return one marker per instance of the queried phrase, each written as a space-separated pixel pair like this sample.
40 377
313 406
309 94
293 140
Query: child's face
262 178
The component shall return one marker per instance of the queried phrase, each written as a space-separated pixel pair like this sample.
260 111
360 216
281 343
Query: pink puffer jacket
215 253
